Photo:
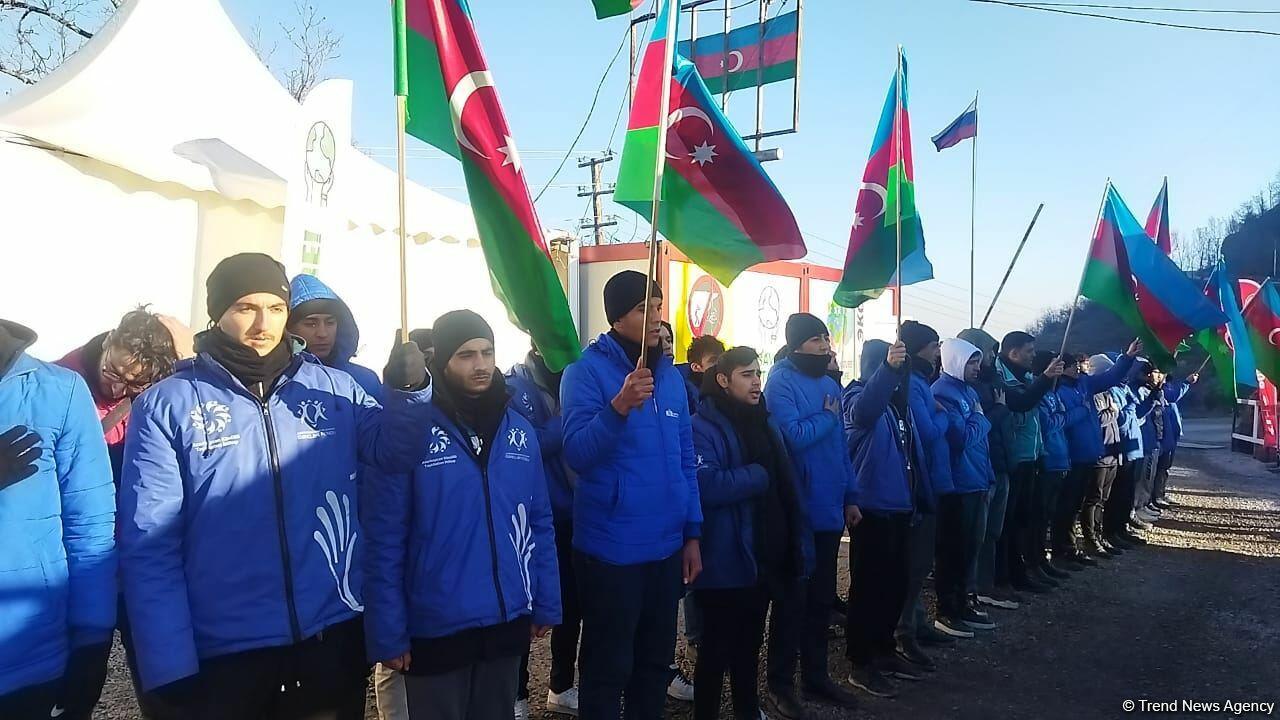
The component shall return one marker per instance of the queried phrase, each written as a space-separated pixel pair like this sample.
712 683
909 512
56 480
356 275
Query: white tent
148 156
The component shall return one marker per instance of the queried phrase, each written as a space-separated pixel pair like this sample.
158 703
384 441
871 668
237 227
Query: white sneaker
522 710
1147 516
565 703
680 688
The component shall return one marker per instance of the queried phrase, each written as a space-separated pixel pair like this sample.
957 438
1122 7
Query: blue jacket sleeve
1175 391
874 399
802 431
851 496
1076 412
1052 420
390 437
1111 378
720 484
151 549
546 569
693 518
1145 404
591 426
388 500
931 423
88 521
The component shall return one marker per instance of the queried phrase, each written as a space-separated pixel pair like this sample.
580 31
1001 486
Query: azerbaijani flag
613 8
1228 347
718 205
749 57
1262 317
453 105
1127 274
962 128
887 185
1158 220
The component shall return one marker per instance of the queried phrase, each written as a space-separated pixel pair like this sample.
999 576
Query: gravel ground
1194 616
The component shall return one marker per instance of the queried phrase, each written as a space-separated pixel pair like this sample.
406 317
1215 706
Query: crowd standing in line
269 525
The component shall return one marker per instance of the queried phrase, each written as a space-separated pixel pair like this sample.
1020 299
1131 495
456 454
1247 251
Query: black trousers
1162 475
321 678
1115 514
564 638
1043 510
34 702
1017 518
732 632
877 584
800 619
483 691
1065 540
1095 501
628 635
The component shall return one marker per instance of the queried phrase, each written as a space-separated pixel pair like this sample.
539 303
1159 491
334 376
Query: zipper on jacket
493 543
278 481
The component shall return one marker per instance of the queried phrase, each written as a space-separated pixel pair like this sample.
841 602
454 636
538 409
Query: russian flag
962 128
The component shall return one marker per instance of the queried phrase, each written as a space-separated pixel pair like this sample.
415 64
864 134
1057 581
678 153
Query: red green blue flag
751 55
1228 347
1262 317
453 104
1158 221
613 8
886 199
718 205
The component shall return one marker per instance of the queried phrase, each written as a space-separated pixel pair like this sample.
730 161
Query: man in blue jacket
239 512
1174 392
535 394
636 514
806 403
752 531
57 546
889 462
1055 467
461 571
962 520
324 322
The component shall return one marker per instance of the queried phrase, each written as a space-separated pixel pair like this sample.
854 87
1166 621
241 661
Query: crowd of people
271 527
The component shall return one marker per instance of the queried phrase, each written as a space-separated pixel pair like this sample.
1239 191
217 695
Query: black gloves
406 368
19 449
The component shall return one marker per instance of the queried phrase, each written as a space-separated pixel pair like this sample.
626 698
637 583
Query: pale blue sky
1065 103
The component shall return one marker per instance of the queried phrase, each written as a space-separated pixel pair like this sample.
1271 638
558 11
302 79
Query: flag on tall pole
1228 347
1158 221
749 55
452 103
885 211
960 129
1262 316
717 204
613 8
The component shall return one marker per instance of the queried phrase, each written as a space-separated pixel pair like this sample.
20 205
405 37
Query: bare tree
36 36
312 45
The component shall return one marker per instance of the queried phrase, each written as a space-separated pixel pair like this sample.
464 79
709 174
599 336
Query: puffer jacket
637 495
57 539
932 423
304 288
968 428
1084 436
542 408
1174 392
997 413
1053 423
1022 395
85 361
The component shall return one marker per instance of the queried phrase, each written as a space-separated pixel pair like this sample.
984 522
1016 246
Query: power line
1117 18
1154 8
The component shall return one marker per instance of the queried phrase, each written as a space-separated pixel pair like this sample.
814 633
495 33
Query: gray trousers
997 499
920 552
1146 479
484 691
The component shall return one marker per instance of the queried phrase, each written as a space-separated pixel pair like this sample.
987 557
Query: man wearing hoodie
57 540
636 513
323 321
239 511
962 513
535 394
889 461
752 531
806 403
461 568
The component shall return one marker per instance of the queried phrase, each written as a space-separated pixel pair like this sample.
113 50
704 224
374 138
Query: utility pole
598 220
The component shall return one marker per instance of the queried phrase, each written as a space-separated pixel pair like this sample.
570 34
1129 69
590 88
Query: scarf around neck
258 373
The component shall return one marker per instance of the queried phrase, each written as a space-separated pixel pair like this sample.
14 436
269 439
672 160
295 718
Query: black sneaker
787 704
895 667
1097 551
1054 572
1036 573
1031 586
871 681
1112 549
976 619
999 598
955 627
929 635
1118 540
1068 563
1132 538
828 692
910 651
1084 559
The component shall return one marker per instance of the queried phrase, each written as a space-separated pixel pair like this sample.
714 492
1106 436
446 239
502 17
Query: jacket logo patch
673 414
210 419
522 542
527 403
338 543
700 460
440 442
312 413
518 444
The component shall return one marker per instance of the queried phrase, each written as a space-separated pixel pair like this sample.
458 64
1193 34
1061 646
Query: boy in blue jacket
752 530
962 519
636 514
1055 467
704 352
892 485
324 322
57 540
461 571
535 393
806 403
239 511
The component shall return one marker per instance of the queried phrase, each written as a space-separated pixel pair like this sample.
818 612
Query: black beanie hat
241 275
624 291
455 329
319 306
803 326
916 336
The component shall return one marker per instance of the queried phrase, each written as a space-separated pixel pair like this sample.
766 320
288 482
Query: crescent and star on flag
704 153
468 86
880 191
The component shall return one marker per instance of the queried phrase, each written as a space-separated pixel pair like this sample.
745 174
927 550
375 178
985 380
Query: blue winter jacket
309 287
730 490
875 440
454 546
542 409
239 524
637 494
1174 392
1130 424
966 439
692 390
1084 431
932 424
57 547
1150 405
824 471
1053 422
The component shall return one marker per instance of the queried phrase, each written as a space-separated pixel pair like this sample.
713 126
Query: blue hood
304 288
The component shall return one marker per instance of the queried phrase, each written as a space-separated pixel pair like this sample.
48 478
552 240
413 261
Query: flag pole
400 23
660 161
1075 301
1009 270
897 132
973 214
